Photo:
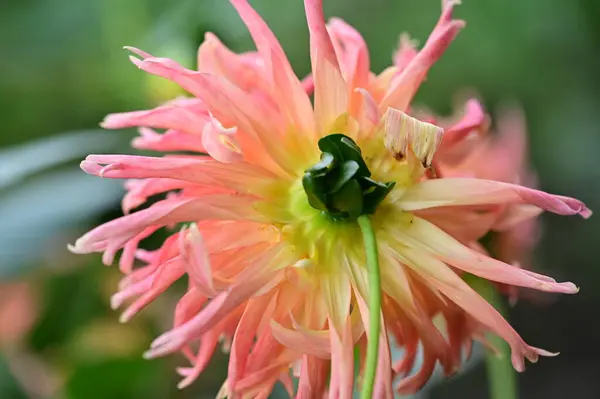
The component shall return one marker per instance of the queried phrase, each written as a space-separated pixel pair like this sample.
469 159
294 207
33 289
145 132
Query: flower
280 284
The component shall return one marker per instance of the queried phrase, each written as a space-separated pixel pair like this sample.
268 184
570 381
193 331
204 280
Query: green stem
502 381
374 274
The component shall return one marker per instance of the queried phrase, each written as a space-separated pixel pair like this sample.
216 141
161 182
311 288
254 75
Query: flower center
340 184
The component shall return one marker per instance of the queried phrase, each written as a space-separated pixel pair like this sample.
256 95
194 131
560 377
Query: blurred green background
62 69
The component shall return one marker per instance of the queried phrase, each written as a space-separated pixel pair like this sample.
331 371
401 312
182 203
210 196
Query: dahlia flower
267 195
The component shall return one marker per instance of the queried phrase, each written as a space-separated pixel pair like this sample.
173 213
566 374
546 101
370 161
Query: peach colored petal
341 381
405 86
353 58
331 93
313 378
287 89
246 71
195 258
466 191
244 338
220 142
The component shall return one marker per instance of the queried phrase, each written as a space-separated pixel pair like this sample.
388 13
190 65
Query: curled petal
220 143
403 132
466 191
474 119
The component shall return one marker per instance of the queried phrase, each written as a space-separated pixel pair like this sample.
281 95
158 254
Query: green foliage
339 184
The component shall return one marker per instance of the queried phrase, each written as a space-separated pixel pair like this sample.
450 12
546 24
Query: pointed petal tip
585 212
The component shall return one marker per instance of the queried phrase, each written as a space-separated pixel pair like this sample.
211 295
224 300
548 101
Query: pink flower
278 283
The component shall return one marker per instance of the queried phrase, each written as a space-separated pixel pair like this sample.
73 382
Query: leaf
35 213
344 149
346 172
373 193
23 160
314 192
326 164
348 202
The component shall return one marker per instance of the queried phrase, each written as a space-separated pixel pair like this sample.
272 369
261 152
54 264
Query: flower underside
269 243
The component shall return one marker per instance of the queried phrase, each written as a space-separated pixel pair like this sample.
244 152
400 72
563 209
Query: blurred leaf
118 379
9 389
70 301
35 213
23 160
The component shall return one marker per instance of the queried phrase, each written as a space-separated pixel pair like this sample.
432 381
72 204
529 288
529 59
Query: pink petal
139 190
466 191
331 93
342 363
171 140
406 52
314 343
353 57
313 378
240 176
220 143
439 275
228 103
244 338
430 239
189 306
474 119
187 115
407 83
466 224
208 343
287 89
196 261
163 279
164 213
247 284
129 250
246 71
